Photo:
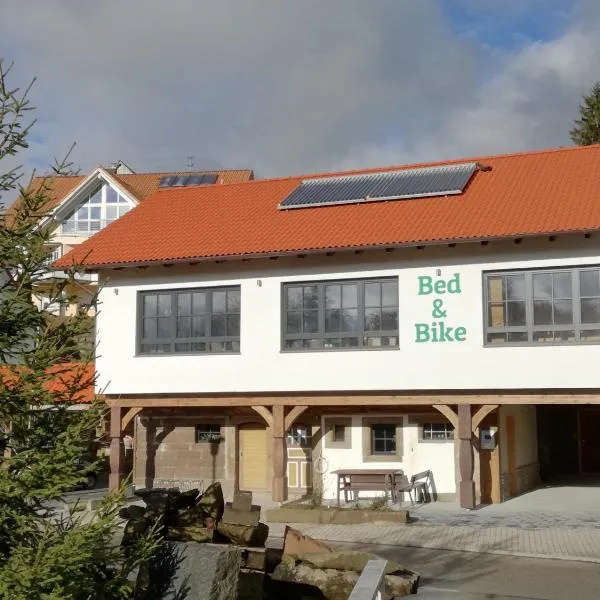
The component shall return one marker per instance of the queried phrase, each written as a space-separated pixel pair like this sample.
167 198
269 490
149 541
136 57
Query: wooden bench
367 480
419 484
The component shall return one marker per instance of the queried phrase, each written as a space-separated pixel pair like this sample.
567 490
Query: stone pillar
280 481
117 451
465 457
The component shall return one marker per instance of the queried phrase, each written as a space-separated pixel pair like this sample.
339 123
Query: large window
383 439
102 207
340 314
189 321
558 306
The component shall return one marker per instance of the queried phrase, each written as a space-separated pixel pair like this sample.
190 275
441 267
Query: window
205 320
101 208
437 432
557 306
341 314
338 433
383 439
299 436
208 433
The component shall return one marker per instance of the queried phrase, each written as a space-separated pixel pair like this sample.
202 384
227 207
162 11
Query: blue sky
300 85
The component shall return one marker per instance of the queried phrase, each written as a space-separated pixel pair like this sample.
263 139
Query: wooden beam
351 399
117 452
129 416
481 414
466 488
265 413
293 415
448 413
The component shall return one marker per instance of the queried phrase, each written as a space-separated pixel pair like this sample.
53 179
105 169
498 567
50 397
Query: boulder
345 560
243 535
333 584
295 542
191 571
132 512
186 499
190 533
212 502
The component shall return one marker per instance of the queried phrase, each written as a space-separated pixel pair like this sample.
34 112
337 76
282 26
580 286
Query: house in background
80 206
441 317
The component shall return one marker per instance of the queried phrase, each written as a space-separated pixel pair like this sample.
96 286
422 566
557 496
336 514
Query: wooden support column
117 451
465 457
278 431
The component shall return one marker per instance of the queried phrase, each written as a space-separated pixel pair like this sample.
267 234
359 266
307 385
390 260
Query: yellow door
253 457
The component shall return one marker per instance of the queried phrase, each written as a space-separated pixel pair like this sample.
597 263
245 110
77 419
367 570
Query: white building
439 317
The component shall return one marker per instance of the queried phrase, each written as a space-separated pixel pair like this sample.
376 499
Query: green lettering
440 286
460 334
425 285
422 332
454 284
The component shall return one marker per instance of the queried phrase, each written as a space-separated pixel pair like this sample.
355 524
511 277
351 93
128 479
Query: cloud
286 87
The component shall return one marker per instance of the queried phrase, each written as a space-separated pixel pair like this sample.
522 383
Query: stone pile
193 517
332 574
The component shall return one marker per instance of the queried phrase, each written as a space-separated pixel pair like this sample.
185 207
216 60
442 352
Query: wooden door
589 439
511 453
253 457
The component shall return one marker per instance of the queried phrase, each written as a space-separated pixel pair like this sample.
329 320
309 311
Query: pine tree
43 372
587 127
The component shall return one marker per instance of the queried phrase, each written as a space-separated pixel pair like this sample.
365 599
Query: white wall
438 457
263 367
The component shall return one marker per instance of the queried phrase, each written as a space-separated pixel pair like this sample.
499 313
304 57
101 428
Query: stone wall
167 454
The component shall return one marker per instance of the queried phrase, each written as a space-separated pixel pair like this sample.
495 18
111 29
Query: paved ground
562 523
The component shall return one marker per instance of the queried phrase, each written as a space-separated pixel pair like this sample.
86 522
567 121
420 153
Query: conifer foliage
587 127
46 553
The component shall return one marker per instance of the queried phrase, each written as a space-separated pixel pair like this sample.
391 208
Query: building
80 206
437 316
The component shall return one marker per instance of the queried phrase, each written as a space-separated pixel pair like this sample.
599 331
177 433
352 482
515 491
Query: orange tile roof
534 193
140 185
80 377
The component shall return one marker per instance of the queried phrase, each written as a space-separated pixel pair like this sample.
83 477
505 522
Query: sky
298 86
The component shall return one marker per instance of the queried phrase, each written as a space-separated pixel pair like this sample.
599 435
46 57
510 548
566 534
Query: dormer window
102 207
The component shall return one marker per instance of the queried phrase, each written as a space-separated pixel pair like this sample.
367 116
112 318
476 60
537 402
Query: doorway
589 440
253 457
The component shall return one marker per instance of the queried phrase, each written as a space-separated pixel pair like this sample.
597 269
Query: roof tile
533 193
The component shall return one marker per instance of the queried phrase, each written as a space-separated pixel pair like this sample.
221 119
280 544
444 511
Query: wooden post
117 451
465 457
280 481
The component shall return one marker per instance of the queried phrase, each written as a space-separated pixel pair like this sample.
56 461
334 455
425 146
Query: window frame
432 423
206 428
360 333
530 328
172 340
330 424
367 450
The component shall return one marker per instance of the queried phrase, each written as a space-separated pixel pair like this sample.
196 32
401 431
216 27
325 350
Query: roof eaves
324 249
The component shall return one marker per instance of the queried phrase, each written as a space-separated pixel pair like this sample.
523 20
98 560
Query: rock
345 560
212 502
242 535
186 499
134 529
201 571
190 533
241 517
399 585
295 542
334 585
132 512
242 501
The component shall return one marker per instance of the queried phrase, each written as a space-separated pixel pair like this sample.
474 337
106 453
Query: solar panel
187 180
375 187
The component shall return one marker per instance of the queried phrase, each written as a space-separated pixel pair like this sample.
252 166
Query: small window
208 433
437 432
338 433
383 439
298 436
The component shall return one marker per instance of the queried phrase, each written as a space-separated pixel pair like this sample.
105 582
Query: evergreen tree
43 372
587 127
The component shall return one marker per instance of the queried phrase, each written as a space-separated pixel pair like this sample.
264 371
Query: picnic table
355 480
